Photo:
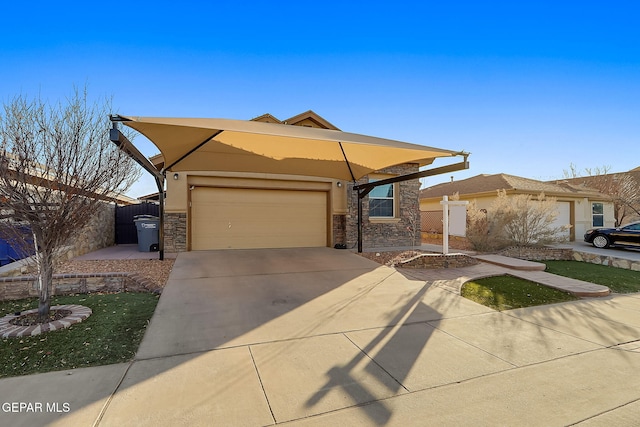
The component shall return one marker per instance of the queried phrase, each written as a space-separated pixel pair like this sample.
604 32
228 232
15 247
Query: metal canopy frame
362 189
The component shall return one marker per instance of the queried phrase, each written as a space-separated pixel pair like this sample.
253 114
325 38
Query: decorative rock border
437 261
78 314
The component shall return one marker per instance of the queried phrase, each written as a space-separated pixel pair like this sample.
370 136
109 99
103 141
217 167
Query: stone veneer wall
568 254
175 232
98 234
386 234
606 260
532 253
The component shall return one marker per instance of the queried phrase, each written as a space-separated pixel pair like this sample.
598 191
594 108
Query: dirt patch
32 318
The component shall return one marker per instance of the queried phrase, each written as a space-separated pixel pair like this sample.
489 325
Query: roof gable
307 119
311 119
266 118
492 183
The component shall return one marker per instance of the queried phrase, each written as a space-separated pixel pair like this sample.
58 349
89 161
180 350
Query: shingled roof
480 184
584 181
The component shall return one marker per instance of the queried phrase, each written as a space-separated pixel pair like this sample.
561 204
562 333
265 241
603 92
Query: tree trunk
45 276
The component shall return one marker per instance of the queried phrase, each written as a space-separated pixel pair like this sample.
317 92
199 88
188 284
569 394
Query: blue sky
527 87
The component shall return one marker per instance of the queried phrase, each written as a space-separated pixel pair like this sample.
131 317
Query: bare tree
519 220
622 189
56 166
530 222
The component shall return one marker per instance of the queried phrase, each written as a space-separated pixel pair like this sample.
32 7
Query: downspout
128 148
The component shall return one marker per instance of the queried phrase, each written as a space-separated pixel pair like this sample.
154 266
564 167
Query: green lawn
619 280
509 292
110 335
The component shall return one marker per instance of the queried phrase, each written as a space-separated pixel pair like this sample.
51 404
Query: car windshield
635 226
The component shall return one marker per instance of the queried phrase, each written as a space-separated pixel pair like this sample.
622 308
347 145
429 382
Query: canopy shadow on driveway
313 325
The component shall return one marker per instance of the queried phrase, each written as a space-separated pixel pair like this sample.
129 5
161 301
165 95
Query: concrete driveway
325 337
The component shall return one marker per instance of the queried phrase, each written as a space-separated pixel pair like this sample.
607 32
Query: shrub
519 220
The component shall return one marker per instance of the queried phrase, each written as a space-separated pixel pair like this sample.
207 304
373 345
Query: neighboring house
625 183
579 207
219 210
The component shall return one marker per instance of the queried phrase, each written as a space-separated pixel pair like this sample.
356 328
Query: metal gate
126 232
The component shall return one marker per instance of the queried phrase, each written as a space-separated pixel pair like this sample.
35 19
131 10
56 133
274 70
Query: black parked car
626 237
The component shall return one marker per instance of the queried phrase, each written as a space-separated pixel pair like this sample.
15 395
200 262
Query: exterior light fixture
339 184
176 176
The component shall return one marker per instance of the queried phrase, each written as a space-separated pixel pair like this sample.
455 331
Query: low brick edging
433 261
19 287
78 314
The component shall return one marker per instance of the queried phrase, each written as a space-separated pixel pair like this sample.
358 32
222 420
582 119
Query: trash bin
148 228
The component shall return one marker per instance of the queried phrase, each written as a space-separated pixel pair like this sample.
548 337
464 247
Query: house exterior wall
581 211
401 230
584 215
342 206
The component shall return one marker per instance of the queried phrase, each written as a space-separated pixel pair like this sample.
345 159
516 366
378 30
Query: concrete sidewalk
325 337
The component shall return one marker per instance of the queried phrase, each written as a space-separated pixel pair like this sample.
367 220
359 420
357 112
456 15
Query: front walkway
325 337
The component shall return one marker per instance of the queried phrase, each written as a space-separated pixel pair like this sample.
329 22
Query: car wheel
601 241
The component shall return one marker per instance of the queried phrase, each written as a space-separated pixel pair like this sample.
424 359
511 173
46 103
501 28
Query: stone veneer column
339 230
175 232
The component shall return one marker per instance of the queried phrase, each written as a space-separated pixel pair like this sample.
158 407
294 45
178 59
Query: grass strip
509 292
111 334
619 280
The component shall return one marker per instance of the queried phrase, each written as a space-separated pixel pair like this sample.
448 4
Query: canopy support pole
359 198
364 189
348 164
128 148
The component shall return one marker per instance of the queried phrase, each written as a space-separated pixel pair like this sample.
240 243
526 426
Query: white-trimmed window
382 201
597 214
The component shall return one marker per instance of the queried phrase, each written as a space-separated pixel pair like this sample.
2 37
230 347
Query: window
597 210
381 201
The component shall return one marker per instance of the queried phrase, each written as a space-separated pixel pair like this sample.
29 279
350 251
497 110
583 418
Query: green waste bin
148 227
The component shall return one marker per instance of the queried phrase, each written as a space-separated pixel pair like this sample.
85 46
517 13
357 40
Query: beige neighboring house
213 209
628 214
579 207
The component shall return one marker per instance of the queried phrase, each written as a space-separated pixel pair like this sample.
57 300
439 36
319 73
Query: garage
562 220
247 218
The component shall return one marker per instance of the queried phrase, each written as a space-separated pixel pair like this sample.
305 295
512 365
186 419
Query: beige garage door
562 220
233 218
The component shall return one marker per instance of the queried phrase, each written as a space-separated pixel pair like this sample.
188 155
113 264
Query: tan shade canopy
189 144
